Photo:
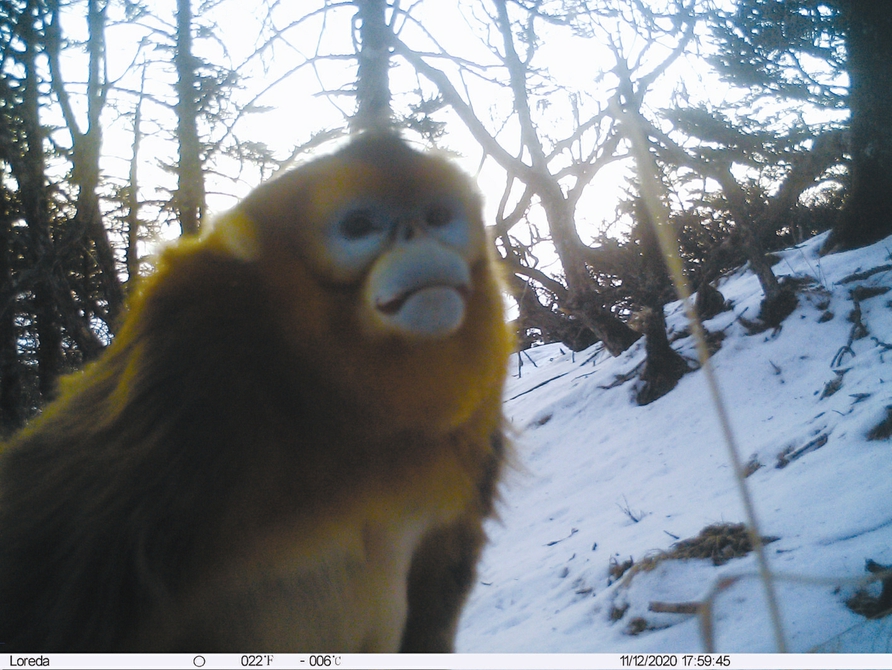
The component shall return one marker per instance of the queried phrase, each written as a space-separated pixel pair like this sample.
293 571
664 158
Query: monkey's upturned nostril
408 231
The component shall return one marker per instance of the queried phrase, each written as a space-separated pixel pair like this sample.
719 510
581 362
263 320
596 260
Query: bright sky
295 106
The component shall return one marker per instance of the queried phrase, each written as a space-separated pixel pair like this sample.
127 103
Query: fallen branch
675 608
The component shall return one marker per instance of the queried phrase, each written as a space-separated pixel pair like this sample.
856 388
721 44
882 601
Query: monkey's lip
396 303
420 290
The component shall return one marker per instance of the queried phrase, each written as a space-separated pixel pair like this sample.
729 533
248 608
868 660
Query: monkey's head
378 258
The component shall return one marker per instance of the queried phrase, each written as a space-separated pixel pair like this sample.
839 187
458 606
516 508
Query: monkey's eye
359 223
447 220
356 235
438 215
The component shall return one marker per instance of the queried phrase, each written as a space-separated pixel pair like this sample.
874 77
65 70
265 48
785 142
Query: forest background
124 123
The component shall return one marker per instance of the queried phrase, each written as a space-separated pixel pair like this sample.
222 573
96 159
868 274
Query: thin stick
652 192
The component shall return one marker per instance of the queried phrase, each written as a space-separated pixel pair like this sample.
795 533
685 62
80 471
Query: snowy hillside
589 460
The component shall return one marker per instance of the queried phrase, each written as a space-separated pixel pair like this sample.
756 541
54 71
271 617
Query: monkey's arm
108 498
445 565
442 574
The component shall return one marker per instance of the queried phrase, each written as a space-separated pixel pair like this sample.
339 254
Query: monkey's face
376 261
400 230
412 256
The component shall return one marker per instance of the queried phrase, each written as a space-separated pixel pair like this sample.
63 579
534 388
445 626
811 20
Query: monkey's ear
235 233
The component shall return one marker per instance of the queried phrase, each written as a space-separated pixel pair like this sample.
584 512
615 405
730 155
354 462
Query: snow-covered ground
588 460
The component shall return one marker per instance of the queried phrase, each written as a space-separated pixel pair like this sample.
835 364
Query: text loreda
29 661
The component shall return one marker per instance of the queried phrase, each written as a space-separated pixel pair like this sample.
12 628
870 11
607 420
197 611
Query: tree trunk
190 196
709 301
33 196
12 411
583 300
663 366
868 213
372 86
131 254
86 234
89 152
553 325
779 301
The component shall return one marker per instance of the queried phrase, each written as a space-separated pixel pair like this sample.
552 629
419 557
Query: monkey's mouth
420 290
427 312
433 291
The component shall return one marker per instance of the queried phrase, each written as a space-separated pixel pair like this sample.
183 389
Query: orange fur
250 465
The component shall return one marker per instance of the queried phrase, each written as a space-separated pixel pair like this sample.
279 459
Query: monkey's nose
411 229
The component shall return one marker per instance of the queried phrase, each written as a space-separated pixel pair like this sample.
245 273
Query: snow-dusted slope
589 459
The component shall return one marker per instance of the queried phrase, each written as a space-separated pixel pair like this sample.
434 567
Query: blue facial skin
359 235
363 229
419 275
